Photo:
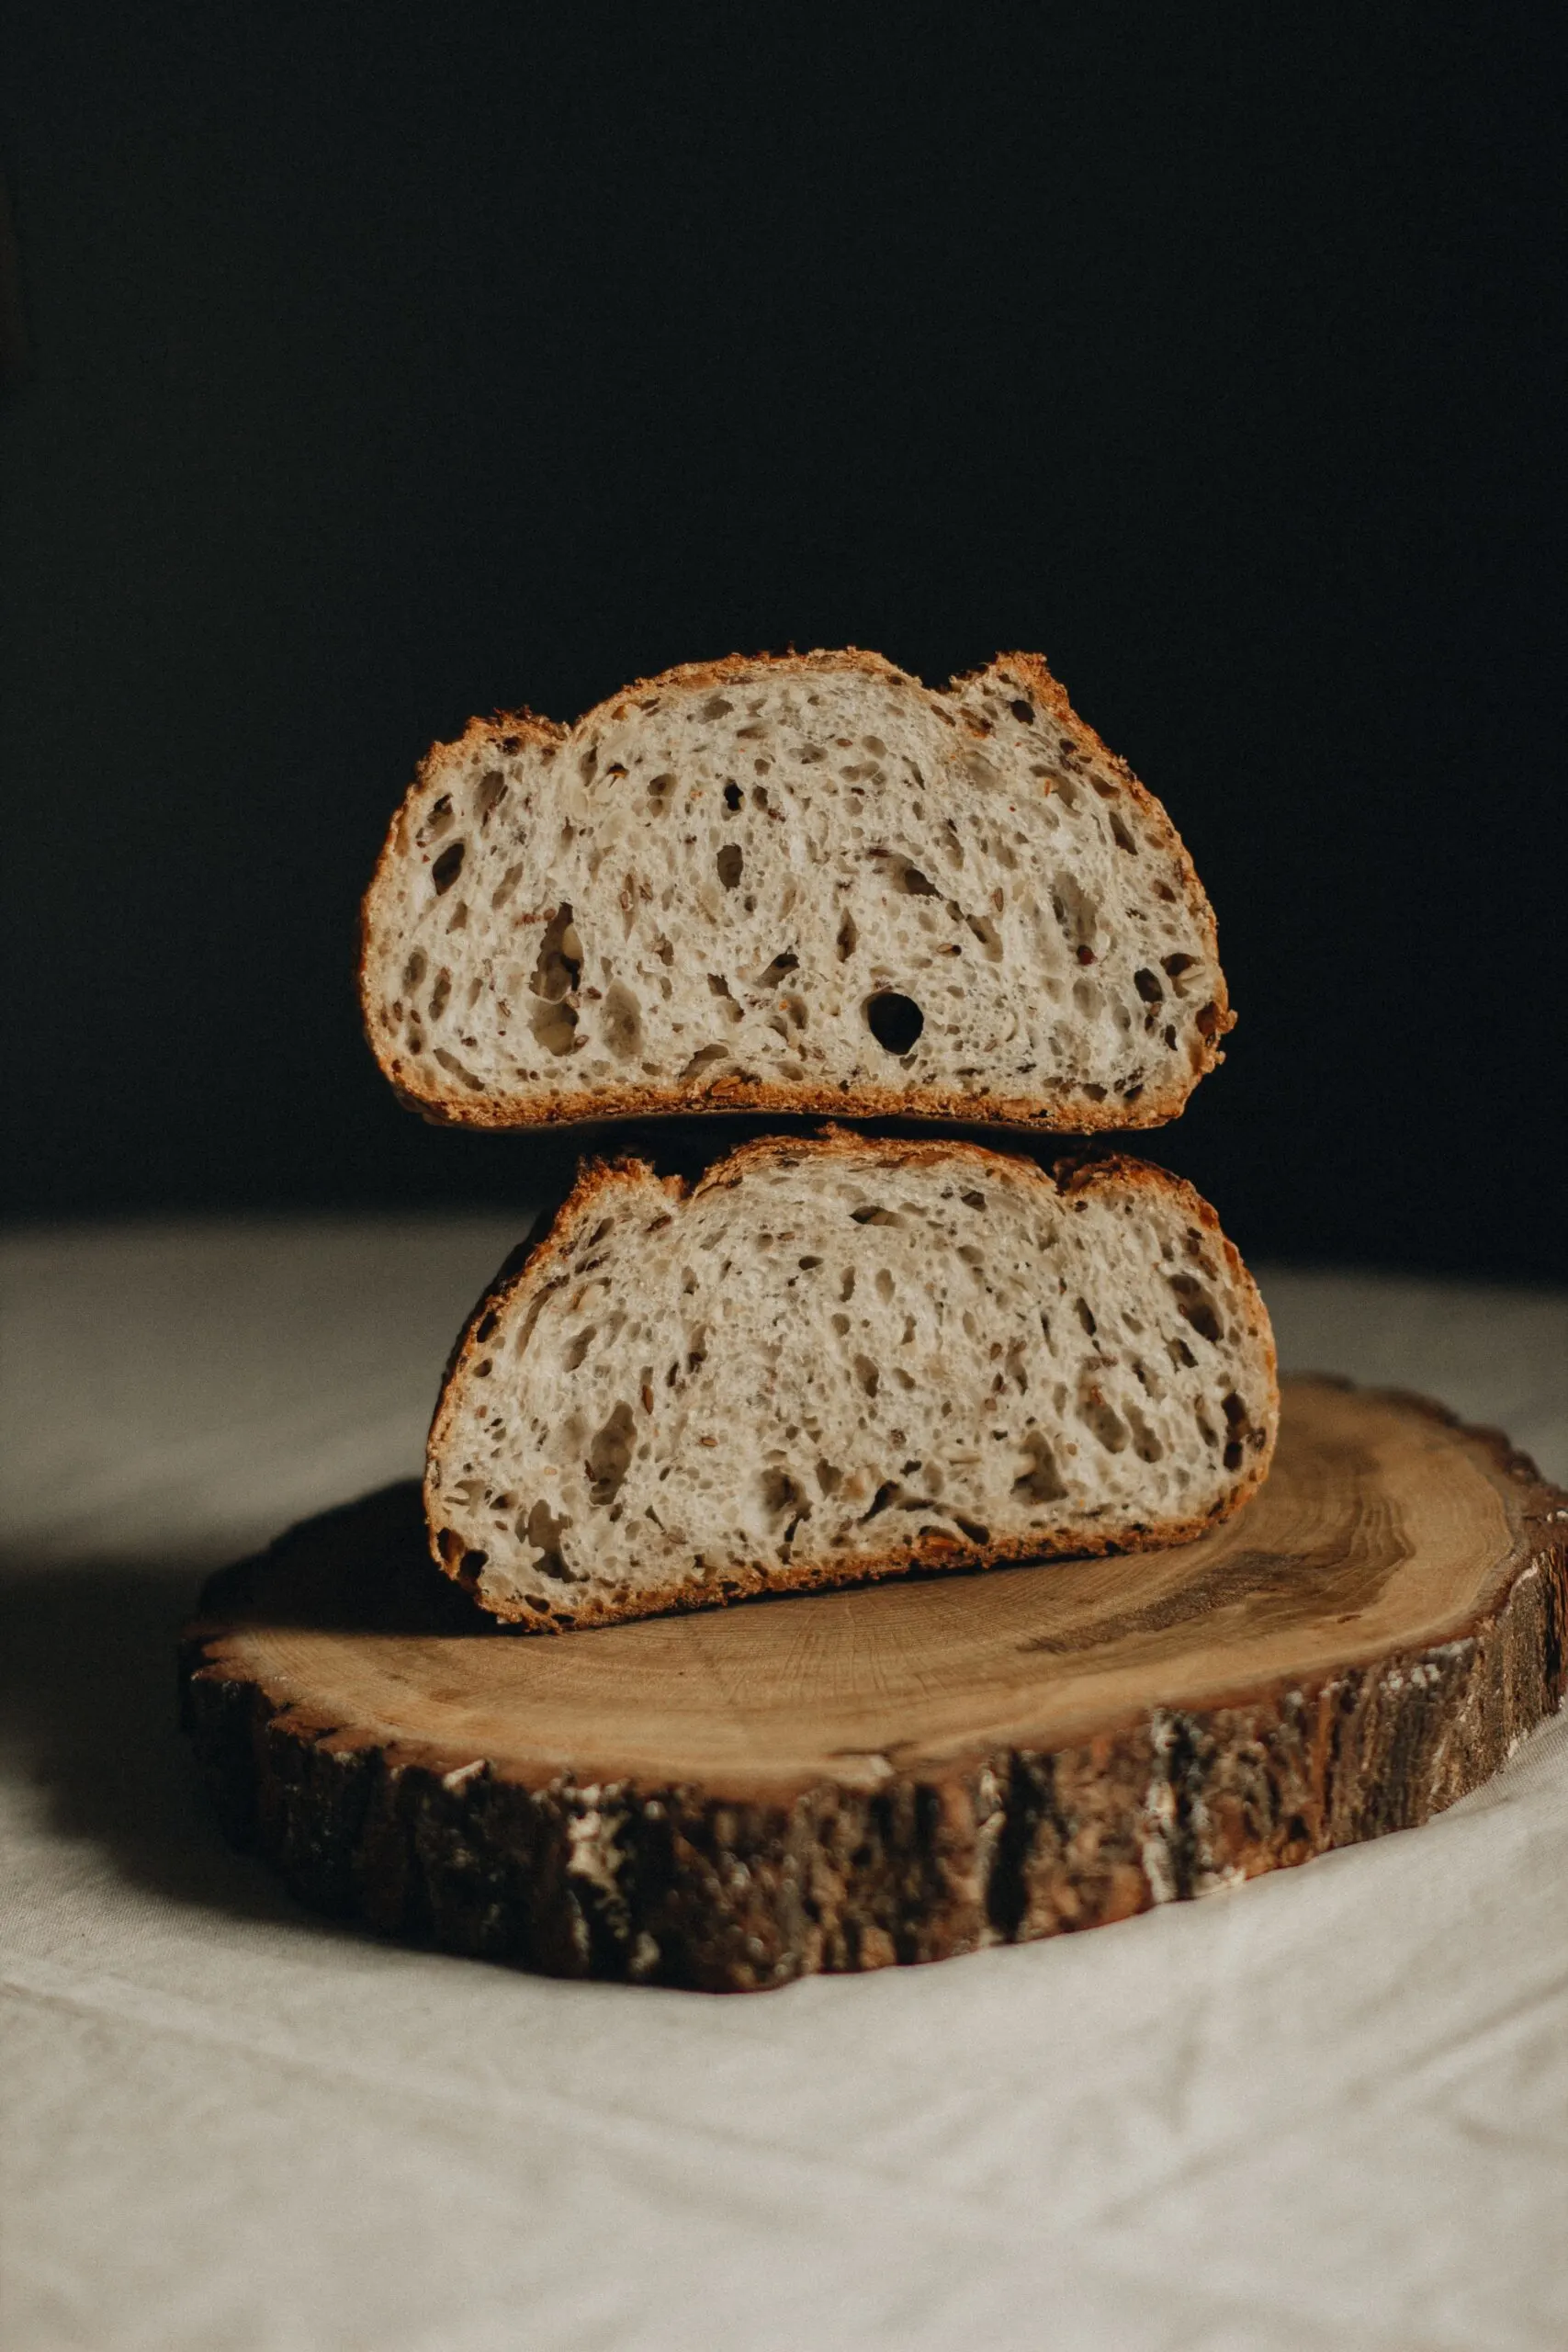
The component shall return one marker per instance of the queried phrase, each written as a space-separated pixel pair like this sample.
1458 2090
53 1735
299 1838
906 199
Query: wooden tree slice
898 1774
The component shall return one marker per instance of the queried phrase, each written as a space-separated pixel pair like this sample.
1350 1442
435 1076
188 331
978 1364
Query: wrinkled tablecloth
1329 2110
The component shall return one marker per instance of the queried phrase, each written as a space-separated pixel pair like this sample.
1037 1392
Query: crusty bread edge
1070 1176
774 1100
508 730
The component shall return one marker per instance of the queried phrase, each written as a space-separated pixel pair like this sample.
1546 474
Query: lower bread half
832 1358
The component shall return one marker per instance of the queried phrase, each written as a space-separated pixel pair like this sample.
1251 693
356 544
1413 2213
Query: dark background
384 365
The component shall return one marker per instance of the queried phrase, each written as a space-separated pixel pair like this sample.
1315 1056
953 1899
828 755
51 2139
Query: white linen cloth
1329 2110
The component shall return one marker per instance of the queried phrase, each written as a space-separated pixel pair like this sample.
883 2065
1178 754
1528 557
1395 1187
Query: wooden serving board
901 1772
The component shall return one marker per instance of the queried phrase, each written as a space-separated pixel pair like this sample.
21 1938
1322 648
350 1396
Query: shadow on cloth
89 1717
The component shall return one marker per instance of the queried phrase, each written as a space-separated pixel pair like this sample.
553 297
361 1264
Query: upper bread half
797 884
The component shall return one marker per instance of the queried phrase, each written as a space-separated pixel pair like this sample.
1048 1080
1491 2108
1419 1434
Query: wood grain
900 1772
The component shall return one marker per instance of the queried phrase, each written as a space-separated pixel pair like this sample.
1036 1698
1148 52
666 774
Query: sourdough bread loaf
798 885
836 1357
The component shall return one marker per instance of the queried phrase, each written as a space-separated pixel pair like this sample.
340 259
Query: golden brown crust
1064 1115
597 1180
1154 1109
731 669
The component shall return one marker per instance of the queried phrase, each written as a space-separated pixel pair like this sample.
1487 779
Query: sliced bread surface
834 1358
806 884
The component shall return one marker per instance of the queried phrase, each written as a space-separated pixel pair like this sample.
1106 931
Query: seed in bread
835 1358
807 884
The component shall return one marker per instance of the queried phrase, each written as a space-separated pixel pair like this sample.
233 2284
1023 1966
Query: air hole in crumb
620 1019
544 1531
732 796
1148 987
436 824
448 866
1177 964
1042 1482
559 965
1195 1306
1145 1445
555 1027
1236 1423
414 970
848 936
867 1374
610 1455
729 862
491 790
1023 712
449 1061
871 1213
883 1284
1077 914
894 1021
1101 1420
1084 1318
780 1495
787 962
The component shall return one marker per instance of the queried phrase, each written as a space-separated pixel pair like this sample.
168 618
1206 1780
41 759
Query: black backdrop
387 364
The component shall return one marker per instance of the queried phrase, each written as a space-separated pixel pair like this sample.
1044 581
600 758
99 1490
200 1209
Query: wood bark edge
670 1885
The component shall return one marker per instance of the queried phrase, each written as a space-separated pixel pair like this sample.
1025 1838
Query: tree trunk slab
903 1772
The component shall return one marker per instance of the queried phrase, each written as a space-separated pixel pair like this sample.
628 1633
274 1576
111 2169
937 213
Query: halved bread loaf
796 885
838 1357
